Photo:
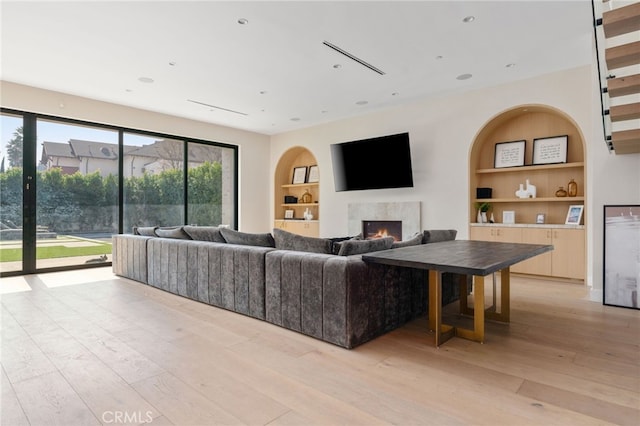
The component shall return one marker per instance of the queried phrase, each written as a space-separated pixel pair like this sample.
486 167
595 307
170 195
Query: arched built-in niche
529 122
290 160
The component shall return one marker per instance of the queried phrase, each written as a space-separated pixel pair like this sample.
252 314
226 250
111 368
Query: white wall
253 147
442 132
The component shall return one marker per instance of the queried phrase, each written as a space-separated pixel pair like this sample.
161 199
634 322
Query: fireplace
372 229
405 212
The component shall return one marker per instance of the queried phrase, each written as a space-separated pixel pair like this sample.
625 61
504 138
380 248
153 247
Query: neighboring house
89 157
59 156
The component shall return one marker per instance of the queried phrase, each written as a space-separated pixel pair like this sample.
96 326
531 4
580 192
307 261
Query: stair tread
626 142
625 112
623 56
623 86
621 20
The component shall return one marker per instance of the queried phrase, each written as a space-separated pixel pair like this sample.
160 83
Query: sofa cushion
416 240
204 233
247 239
173 232
350 247
289 241
147 231
438 235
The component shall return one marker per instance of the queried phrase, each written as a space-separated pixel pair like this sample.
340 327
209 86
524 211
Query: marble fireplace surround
408 212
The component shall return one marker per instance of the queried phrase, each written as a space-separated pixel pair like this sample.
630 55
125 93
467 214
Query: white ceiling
275 70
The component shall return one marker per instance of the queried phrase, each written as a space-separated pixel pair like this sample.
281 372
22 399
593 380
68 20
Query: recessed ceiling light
263 92
337 66
324 111
511 65
128 90
243 21
468 19
362 102
295 119
395 94
439 57
145 80
173 64
464 77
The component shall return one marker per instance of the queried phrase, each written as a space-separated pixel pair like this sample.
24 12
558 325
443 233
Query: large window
67 186
11 193
153 170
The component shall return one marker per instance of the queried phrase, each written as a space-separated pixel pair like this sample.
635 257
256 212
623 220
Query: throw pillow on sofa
205 233
438 235
350 247
232 236
146 231
172 232
289 241
413 241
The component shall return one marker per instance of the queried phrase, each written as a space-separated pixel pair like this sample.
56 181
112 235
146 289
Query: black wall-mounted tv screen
376 163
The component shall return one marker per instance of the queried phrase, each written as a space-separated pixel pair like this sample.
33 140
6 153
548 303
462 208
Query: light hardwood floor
86 347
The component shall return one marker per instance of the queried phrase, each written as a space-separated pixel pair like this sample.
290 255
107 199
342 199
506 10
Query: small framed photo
314 174
574 215
509 154
508 216
540 218
299 175
288 214
551 150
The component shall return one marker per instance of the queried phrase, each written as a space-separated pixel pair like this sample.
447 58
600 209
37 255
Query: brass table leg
477 334
442 332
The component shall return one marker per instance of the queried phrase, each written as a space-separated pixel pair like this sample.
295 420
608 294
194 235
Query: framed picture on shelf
508 216
540 218
299 175
621 256
314 174
288 214
551 150
509 154
574 215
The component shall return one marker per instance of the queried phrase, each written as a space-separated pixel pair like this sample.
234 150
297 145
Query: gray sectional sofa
319 287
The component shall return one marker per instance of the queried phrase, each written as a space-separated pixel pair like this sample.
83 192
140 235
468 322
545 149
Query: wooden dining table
475 258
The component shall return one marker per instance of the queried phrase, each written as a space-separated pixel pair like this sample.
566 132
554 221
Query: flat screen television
375 163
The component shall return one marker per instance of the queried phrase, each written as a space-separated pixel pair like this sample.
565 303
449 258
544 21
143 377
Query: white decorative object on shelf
531 189
307 214
526 192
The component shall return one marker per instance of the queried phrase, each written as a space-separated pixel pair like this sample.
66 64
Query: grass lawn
55 251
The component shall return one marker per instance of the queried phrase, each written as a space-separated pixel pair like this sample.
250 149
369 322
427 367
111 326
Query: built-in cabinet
284 187
567 260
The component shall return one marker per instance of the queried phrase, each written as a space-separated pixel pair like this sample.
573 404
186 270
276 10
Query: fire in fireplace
372 229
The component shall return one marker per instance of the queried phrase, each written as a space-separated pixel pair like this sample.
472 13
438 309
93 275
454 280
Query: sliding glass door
11 177
67 186
76 193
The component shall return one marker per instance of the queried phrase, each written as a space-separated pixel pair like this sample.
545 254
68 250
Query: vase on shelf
306 198
484 217
572 188
561 192
479 217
